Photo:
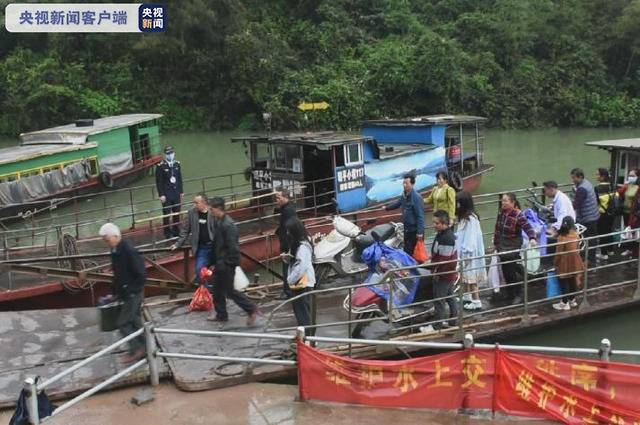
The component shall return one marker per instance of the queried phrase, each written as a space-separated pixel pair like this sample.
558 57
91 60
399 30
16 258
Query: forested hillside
521 63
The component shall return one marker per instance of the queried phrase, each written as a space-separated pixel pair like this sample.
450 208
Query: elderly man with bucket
129 277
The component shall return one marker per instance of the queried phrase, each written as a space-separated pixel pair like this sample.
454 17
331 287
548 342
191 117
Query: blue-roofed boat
358 171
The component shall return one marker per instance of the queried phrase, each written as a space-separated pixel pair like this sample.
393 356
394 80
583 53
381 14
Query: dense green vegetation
522 63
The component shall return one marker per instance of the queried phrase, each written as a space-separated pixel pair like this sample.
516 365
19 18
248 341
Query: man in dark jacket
287 210
412 206
169 187
585 203
129 277
225 259
200 224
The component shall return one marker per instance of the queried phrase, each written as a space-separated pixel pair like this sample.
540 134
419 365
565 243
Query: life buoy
106 179
455 179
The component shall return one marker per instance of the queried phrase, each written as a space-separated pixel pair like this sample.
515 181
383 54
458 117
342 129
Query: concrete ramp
45 342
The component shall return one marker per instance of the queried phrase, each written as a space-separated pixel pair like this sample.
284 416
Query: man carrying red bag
225 258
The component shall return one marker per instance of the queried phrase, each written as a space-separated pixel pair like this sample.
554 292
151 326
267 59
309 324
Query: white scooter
340 252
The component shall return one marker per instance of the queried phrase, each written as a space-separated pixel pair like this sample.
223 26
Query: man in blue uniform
412 206
169 186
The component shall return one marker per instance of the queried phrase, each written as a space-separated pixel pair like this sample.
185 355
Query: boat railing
620 274
134 216
37 234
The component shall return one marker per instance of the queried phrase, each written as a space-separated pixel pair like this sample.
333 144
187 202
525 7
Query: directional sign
312 106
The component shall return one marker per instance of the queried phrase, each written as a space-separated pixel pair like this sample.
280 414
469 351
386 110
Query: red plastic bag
420 252
202 299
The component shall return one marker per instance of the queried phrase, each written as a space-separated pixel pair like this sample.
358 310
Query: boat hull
93 185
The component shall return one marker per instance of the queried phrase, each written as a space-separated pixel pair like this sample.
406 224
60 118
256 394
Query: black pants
285 285
130 320
410 239
223 289
568 285
513 272
171 224
592 230
605 225
444 289
301 307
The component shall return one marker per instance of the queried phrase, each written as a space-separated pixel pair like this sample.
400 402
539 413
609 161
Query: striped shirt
444 249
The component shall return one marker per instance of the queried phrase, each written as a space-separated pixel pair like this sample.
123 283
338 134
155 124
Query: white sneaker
602 257
466 297
561 306
473 305
427 329
573 304
626 253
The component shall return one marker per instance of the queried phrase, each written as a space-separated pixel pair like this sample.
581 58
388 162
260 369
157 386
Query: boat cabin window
353 153
261 155
349 154
288 157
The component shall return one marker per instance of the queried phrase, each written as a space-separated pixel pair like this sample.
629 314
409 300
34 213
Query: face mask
170 156
632 179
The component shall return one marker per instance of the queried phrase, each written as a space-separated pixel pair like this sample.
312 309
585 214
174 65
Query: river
520 156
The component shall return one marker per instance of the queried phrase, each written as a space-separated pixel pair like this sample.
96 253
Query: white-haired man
129 277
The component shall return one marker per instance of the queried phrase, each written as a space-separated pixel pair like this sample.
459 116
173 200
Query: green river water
520 156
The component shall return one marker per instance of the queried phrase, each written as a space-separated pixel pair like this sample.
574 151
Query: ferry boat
624 156
327 172
86 156
359 171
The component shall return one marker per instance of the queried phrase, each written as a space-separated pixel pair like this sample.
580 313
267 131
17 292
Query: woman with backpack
606 207
568 263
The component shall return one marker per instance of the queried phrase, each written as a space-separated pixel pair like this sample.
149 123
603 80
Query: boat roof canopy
321 140
616 143
428 120
72 134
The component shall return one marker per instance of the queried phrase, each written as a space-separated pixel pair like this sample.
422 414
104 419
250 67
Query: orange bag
202 299
420 252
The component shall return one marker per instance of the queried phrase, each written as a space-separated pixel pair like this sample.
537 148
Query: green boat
87 156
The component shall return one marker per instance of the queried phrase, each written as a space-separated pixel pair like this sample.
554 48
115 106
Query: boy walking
443 250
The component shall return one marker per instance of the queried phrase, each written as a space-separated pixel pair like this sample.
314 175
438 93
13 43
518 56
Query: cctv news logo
94 17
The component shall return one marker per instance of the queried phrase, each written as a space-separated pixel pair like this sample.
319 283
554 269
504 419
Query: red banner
574 391
445 381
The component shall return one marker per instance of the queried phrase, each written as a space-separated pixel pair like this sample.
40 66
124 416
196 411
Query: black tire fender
456 180
106 179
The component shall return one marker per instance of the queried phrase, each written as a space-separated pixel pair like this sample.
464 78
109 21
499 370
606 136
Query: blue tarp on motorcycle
404 290
539 226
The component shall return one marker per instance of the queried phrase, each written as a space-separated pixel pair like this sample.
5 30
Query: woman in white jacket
469 244
301 277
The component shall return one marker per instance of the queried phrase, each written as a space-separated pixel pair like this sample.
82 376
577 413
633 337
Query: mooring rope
67 245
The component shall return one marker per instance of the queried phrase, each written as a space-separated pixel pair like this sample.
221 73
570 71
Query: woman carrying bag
301 277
